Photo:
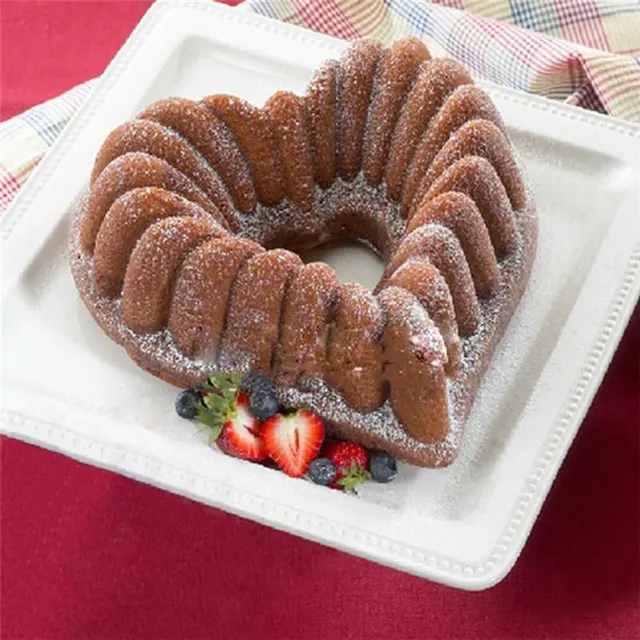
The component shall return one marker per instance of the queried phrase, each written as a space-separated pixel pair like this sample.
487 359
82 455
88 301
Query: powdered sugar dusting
349 208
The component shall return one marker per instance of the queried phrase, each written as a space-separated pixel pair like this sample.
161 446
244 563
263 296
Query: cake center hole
353 261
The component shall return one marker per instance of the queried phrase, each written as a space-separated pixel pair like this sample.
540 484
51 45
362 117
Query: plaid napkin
584 52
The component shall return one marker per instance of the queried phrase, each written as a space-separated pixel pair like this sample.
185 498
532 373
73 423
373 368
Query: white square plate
67 387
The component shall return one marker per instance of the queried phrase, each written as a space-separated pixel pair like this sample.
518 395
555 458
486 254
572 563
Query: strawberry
224 412
352 463
240 434
293 440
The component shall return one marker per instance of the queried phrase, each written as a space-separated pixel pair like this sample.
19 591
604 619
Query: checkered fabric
584 52
27 137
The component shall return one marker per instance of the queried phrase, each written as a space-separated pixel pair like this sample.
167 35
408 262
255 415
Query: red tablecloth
89 554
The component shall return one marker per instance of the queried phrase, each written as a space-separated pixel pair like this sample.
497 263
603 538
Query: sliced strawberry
240 434
293 441
352 463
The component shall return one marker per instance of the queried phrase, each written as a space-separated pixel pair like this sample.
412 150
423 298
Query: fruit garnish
240 433
224 382
264 403
383 467
253 381
240 412
188 403
219 392
351 461
322 471
293 440
225 415
263 399
349 479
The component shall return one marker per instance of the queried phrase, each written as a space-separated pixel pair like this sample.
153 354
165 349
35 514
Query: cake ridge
160 141
476 178
323 146
130 171
284 111
125 223
434 73
279 333
459 214
440 246
203 289
402 80
208 136
307 316
354 353
426 283
358 64
252 131
420 397
249 336
482 138
464 103
156 259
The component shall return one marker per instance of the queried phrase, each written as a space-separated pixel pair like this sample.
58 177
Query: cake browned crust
184 247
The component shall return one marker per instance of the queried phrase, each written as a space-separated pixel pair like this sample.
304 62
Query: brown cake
184 248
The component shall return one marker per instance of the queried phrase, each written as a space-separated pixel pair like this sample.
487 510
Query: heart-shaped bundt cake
184 247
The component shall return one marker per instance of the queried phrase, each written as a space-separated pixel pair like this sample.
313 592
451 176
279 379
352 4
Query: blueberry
253 381
383 467
322 471
263 402
187 404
